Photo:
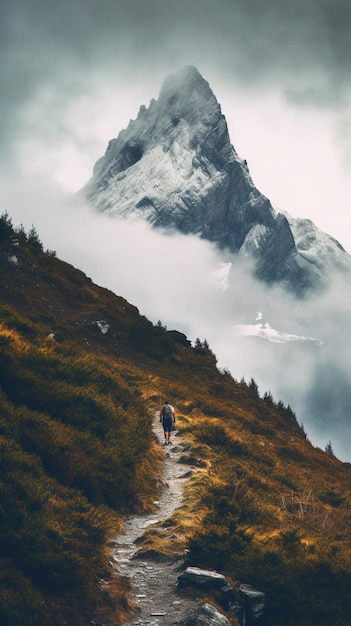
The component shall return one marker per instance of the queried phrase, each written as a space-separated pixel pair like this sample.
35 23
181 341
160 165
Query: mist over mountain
175 167
296 347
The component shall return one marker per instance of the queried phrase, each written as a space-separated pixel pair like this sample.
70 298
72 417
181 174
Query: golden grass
15 337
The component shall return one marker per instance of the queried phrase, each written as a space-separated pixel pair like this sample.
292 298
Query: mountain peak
187 95
185 81
178 142
187 75
175 167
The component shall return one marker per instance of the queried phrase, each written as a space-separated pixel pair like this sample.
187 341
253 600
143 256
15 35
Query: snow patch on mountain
264 331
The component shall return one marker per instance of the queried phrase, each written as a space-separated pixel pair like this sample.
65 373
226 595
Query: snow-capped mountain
175 167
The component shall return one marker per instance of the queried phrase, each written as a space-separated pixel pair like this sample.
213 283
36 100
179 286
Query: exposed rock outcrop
246 602
207 615
253 603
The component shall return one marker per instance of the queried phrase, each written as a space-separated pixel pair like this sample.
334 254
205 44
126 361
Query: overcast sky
73 73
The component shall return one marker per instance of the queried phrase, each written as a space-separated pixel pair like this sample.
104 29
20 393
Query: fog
190 286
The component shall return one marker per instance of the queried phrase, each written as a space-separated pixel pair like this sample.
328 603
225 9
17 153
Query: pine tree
253 385
329 448
6 228
34 241
268 398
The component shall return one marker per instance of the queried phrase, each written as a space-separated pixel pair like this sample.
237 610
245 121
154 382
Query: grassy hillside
266 507
77 452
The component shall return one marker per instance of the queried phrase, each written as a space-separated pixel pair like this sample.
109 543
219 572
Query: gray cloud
302 46
53 54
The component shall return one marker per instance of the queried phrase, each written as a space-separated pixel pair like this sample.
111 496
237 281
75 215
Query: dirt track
155 583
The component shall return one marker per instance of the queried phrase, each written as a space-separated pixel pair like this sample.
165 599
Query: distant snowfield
264 331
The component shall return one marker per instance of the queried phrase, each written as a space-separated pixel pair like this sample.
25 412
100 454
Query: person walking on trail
167 417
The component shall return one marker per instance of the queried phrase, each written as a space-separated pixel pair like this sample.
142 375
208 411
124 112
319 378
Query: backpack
167 411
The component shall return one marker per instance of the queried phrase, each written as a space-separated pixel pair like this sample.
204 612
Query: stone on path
198 576
207 615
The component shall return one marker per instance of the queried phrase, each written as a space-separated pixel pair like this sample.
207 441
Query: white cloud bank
298 350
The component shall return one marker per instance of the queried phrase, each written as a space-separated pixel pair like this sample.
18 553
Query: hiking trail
155 582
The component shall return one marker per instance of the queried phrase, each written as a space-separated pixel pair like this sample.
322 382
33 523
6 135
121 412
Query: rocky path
155 583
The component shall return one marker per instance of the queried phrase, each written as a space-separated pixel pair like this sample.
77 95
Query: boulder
247 604
207 615
201 577
211 582
254 603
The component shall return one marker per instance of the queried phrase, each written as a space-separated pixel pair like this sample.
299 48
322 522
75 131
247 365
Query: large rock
207 615
213 583
247 604
254 603
202 578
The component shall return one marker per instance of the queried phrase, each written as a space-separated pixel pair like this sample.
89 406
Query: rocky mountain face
175 167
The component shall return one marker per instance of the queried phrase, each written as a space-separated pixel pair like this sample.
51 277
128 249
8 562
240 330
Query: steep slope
81 376
68 464
175 166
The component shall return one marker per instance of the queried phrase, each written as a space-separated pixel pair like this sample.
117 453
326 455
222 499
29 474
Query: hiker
167 417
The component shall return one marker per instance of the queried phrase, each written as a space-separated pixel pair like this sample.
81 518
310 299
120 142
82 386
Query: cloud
190 286
302 48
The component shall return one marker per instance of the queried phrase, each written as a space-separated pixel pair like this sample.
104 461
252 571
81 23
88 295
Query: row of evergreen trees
10 235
